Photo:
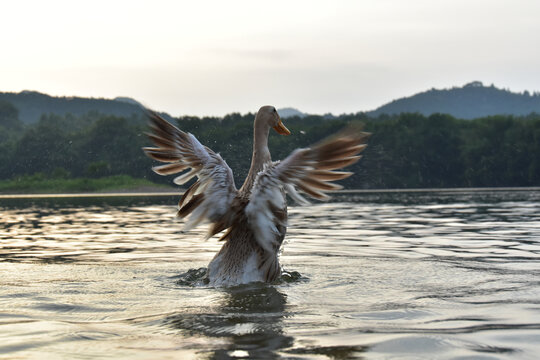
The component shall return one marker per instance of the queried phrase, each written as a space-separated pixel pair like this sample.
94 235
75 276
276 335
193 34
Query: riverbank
110 184
163 190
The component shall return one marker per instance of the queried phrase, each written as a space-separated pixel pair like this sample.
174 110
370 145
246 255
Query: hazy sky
216 57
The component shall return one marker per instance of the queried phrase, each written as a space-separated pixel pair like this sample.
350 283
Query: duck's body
255 216
241 259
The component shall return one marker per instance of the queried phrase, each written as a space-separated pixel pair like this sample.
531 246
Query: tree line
404 151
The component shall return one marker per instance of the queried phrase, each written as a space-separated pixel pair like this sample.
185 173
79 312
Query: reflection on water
250 316
419 274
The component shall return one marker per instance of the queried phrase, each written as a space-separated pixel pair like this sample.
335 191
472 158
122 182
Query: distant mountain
468 102
32 104
290 112
128 100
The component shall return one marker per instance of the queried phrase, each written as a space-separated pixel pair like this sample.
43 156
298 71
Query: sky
217 57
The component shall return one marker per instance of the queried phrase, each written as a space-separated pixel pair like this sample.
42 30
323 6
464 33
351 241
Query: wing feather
170 168
327 175
208 199
338 163
308 170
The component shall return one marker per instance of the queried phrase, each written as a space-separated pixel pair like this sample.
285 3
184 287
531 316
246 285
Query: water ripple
421 274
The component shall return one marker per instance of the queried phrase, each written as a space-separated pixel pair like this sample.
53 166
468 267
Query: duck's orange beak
281 129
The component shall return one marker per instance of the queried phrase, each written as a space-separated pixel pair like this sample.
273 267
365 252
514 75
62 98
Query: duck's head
269 116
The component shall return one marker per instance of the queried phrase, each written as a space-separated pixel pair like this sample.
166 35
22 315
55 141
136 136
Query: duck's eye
275 110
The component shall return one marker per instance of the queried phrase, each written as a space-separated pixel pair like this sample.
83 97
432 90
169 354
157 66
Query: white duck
255 216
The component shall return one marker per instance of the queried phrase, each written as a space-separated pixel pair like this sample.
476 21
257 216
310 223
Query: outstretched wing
309 170
211 196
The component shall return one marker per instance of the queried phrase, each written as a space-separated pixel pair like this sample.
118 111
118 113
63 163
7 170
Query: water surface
445 274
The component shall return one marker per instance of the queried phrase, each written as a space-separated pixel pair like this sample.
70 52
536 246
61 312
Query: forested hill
31 105
405 150
471 101
474 100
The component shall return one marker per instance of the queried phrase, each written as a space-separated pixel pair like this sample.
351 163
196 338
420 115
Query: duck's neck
261 154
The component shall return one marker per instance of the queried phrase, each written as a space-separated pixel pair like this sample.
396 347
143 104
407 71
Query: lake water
408 275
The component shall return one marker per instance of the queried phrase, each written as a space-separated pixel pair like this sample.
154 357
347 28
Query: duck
252 220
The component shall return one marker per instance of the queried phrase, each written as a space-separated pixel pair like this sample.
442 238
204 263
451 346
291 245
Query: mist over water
445 274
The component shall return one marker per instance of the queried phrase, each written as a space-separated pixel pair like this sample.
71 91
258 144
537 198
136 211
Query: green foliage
502 151
60 173
412 151
9 117
409 150
42 183
10 125
98 169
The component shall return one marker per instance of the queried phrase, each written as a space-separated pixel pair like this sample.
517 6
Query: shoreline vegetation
125 185
40 184
148 191
102 153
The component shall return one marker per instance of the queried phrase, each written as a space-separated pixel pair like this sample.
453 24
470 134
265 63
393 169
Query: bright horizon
214 58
